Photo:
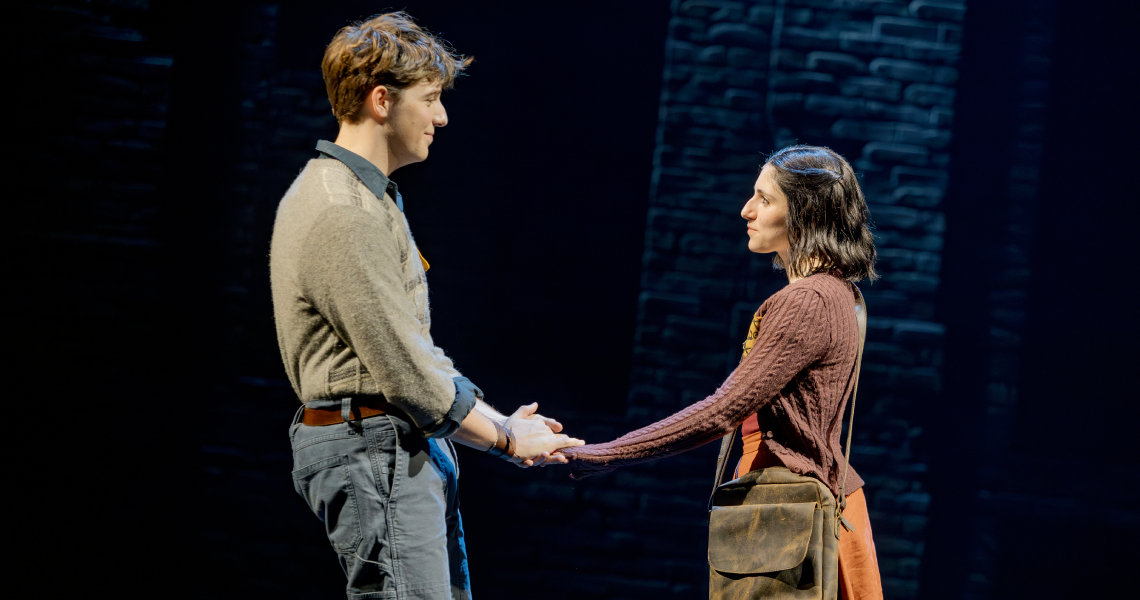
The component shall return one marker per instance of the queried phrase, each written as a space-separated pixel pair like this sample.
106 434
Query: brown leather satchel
774 533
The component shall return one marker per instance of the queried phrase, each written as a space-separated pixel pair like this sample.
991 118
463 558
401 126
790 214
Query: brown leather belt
362 408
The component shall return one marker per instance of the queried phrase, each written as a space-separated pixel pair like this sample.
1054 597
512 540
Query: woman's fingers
554 443
566 441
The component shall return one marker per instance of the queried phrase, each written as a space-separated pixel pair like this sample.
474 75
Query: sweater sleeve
793 334
351 270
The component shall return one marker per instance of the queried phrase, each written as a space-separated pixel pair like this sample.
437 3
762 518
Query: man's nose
440 119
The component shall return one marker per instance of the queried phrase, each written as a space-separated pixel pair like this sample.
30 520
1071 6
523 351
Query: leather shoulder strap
861 320
725 448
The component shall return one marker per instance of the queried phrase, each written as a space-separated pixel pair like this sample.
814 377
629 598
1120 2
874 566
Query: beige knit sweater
350 299
799 373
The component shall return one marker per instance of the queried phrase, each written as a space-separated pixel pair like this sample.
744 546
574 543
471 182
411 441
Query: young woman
789 391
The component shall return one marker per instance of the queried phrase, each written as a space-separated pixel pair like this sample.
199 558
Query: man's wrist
504 446
489 411
466 400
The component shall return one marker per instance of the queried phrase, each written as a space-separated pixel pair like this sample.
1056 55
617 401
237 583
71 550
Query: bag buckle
841 520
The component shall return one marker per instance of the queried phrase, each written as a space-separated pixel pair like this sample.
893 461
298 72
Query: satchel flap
788 493
759 538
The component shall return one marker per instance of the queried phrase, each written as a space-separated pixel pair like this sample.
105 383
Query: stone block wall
1007 296
992 216
88 110
875 81
96 113
251 515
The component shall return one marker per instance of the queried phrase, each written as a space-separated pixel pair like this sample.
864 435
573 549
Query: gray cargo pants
387 498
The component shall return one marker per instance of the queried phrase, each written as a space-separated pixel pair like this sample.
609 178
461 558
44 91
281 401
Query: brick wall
872 80
251 515
1005 292
1035 358
99 113
87 130
611 535
876 82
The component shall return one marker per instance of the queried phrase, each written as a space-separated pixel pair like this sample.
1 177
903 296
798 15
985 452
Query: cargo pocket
326 486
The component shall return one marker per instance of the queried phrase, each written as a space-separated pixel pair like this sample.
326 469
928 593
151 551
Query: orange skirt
858 566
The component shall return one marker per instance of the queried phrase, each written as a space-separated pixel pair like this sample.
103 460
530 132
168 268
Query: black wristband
504 446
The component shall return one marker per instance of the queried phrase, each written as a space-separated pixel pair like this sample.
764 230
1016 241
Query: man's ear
378 103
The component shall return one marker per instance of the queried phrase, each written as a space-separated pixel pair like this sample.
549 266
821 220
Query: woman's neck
814 264
788 270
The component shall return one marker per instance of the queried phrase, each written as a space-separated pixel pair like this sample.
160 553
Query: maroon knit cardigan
800 368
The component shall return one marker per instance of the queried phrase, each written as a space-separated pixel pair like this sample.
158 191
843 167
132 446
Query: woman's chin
758 249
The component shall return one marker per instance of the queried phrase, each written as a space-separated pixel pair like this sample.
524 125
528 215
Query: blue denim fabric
387 498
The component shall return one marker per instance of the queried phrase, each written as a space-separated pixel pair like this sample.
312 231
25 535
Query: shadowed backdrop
579 214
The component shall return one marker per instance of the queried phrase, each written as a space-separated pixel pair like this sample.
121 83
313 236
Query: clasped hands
536 438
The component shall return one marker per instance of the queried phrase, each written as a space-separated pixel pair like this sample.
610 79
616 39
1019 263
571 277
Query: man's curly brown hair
388 50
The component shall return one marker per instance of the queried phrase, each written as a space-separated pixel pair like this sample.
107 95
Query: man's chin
419 157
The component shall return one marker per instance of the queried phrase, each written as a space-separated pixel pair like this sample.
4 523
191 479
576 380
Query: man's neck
367 139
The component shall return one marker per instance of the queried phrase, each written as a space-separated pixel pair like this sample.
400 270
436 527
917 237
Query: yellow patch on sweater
753 333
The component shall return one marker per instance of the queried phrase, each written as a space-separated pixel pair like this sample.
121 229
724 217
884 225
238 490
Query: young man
381 403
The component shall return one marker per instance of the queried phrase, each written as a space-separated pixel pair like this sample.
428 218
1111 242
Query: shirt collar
373 178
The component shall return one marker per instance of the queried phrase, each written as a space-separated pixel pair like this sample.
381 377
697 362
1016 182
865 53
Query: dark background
155 138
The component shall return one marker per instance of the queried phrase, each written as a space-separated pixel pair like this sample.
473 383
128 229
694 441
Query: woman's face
766 213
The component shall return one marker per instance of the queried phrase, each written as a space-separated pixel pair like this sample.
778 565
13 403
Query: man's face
412 122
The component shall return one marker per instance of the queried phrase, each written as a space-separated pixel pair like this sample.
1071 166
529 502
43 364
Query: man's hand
537 439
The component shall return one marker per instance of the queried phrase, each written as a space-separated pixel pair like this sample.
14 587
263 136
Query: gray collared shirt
377 182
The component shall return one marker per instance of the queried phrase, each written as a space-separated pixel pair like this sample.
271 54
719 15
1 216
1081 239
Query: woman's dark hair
827 215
